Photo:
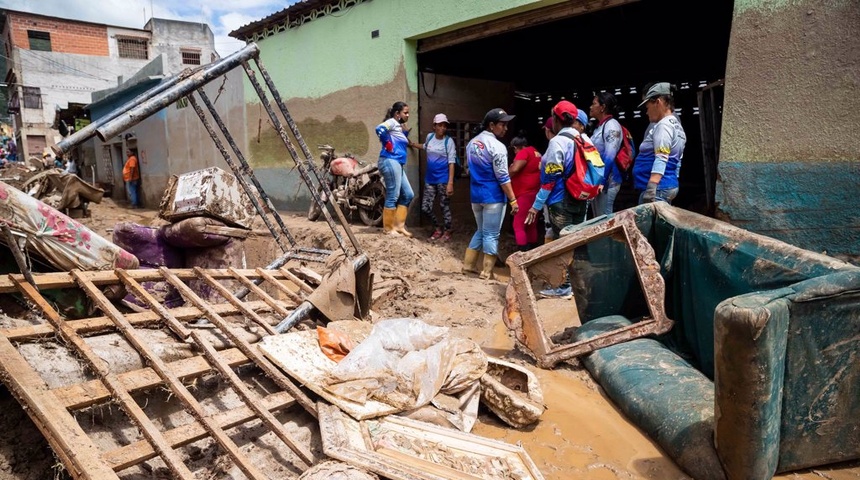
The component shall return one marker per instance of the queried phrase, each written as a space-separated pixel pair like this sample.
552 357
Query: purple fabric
147 244
230 254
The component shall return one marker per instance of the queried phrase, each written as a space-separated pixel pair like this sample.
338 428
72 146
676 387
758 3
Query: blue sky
222 16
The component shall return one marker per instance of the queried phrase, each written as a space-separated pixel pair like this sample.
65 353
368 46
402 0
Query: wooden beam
227 294
47 281
60 429
191 404
280 286
259 293
82 395
100 324
111 381
531 18
140 451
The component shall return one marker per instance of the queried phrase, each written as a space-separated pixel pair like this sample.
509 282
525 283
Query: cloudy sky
223 16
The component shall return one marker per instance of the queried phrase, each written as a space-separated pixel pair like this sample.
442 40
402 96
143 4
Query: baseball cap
661 88
582 117
563 107
497 115
440 118
548 124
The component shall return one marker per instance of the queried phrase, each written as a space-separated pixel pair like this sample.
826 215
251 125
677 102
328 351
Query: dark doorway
619 49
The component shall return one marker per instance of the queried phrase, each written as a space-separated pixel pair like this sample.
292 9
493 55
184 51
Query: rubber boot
470 261
489 263
388 220
400 220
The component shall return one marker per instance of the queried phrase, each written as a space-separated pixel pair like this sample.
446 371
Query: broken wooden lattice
52 409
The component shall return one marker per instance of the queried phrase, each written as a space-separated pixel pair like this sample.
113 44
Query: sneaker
558 292
436 235
446 236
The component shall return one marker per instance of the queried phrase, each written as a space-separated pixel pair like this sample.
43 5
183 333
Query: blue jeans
132 189
489 217
398 191
604 204
666 195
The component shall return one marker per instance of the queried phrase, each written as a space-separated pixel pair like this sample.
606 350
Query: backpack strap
572 137
429 136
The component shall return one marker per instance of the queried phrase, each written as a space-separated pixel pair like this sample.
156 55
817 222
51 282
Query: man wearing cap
131 177
658 164
439 178
490 189
556 165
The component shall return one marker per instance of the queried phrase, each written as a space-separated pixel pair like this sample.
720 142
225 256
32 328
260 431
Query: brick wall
66 36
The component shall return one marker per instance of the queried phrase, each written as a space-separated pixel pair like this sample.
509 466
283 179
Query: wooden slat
298 281
100 324
252 400
82 395
117 390
63 433
249 397
140 451
175 385
280 286
227 294
270 370
259 292
46 281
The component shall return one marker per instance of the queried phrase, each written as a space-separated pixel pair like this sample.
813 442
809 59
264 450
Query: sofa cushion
661 393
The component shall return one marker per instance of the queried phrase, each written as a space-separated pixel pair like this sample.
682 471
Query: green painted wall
338 82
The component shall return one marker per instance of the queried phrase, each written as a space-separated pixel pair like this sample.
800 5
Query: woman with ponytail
392 133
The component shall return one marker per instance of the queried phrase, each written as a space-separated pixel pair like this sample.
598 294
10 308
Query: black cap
497 115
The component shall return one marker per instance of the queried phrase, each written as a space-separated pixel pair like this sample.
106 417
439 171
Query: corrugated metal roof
295 10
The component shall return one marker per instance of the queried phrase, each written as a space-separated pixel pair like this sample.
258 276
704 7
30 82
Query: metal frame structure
521 314
52 409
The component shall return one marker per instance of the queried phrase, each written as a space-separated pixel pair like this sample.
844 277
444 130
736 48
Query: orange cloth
130 171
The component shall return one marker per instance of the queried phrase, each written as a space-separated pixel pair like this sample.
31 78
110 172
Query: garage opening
619 49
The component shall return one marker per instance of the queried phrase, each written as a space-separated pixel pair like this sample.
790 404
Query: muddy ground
581 434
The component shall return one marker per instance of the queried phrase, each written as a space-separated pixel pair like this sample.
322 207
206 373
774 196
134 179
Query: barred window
32 97
190 57
133 47
40 41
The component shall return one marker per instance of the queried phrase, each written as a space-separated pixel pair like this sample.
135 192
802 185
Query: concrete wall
170 37
789 155
338 82
174 141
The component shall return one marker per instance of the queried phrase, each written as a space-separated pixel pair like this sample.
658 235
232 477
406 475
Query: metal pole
246 169
306 151
220 146
89 131
181 89
302 311
277 263
301 165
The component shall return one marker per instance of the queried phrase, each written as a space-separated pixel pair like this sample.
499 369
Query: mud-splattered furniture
776 328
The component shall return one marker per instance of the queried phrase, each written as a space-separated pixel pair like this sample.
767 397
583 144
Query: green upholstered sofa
760 373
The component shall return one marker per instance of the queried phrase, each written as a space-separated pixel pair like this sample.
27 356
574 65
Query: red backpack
627 152
587 177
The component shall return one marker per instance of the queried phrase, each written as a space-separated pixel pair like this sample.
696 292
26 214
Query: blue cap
582 117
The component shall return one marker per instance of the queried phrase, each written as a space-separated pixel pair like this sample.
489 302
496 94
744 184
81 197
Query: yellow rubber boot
489 263
388 221
400 220
470 261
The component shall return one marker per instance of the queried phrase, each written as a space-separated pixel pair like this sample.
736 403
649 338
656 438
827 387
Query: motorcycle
355 186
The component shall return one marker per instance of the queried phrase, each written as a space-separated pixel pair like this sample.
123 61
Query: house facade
753 66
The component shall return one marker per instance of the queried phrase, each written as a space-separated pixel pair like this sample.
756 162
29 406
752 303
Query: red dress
526 184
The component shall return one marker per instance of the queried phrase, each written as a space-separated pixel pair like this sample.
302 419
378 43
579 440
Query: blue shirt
555 166
440 154
391 131
488 168
660 152
607 141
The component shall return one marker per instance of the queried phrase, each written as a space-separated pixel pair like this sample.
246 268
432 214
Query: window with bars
40 41
190 57
133 47
32 97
